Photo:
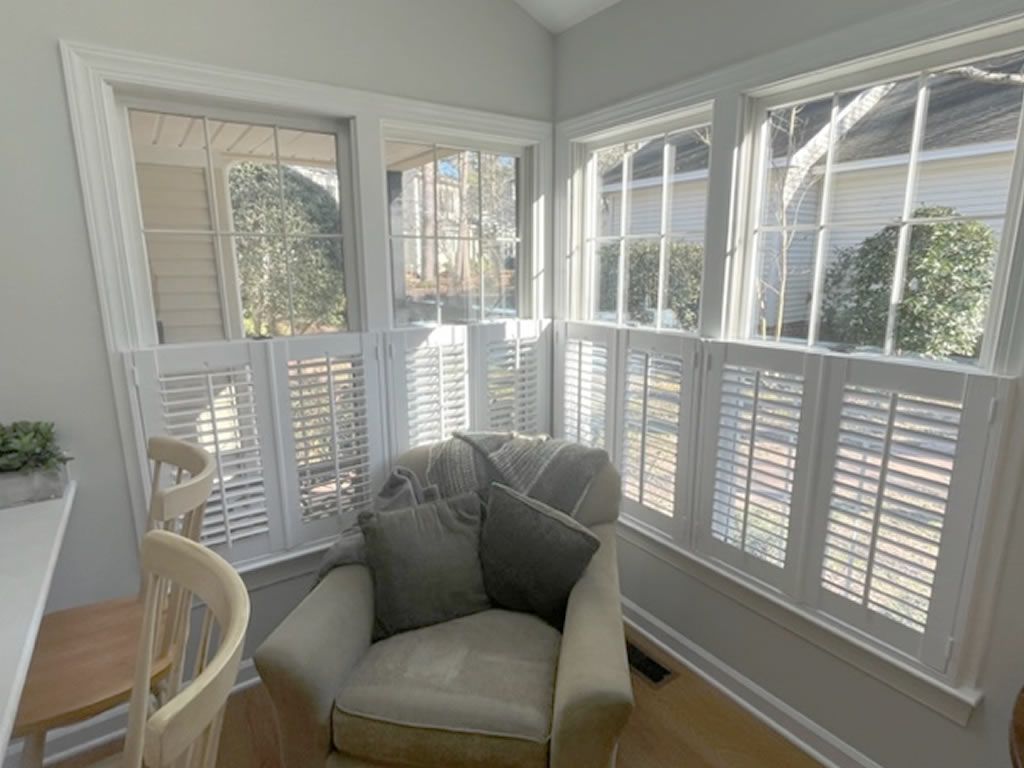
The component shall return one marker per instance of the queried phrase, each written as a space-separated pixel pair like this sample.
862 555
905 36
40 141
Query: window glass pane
642 259
501 278
798 138
265 284
683 270
186 287
458 267
500 209
414 267
783 288
607 163
247 155
947 288
318 290
646 182
458 193
857 286
690 153
410 183
606 281
309 167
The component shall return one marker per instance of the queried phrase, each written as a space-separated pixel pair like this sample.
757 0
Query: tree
294 285
945 292
683 267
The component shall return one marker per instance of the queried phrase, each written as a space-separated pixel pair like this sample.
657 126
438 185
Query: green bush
682 281
945 292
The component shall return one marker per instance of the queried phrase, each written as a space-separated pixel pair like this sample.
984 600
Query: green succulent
29 445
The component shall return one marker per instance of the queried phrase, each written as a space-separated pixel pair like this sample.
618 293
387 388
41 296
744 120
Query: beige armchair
488 690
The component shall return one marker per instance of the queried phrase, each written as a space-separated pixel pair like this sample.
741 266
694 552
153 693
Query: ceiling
559 15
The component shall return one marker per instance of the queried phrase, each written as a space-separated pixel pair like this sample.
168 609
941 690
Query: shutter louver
436 381
513 380
585 396
330 428
217 410
891 481
650 438
755 460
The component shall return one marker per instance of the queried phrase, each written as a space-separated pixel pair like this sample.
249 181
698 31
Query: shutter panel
656 426
217 396
510 381
331 428
757 404
429 376
899 498
587 384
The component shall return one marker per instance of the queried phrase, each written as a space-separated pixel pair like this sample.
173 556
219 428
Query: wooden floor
683 723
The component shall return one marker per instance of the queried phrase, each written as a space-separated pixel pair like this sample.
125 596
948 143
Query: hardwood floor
683 723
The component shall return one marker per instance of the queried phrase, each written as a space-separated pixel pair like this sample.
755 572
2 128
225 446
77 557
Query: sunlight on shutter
653 394
512 385
217 410
755 460
890 487
436 386
585 397
329 425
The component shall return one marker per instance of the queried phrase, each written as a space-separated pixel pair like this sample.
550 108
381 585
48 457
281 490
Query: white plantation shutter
215 396
332 426
428 375
588 377
656 425
899 497
758 406
509 375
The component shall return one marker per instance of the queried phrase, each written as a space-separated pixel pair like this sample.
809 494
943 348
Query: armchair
492 689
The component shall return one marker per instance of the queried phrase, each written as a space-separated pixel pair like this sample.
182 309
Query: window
455 234
830 446
645 229
881 211
242 223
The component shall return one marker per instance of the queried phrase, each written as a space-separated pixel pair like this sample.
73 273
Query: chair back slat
185 730
178 504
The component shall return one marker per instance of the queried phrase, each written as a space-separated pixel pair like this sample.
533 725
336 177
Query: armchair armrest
304 661
593 692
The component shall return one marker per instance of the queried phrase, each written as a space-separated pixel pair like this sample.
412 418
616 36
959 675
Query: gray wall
641 45
52 353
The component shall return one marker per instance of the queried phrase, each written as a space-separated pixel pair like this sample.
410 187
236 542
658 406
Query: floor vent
651 670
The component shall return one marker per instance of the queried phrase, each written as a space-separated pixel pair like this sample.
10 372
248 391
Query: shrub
682 281
945 291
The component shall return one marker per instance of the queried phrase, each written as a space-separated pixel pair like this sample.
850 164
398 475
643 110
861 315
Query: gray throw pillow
532 554
425 562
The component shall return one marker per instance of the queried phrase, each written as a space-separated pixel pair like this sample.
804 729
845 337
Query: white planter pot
26 487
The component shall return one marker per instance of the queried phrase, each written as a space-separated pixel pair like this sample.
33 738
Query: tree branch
984 76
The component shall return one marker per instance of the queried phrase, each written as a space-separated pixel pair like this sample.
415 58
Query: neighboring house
965 163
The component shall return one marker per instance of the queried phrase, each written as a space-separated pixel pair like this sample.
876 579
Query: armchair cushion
425 562
532 555
474 691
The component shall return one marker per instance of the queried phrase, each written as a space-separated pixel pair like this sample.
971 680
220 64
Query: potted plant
31 463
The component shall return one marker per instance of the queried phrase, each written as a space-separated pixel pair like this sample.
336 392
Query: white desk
30 538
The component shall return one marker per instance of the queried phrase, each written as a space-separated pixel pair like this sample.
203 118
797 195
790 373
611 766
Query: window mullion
437 246
903 244
667 165
284 240
825 215
627 173
231 324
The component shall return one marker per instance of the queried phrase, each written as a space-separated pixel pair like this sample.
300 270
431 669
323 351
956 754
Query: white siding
689 209
183 268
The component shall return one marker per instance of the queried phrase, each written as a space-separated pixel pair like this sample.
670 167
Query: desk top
30 539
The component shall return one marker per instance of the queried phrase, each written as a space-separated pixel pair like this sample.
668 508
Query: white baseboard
806 734
81 737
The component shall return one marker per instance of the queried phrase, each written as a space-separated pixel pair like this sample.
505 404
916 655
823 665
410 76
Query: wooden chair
185 731
84 658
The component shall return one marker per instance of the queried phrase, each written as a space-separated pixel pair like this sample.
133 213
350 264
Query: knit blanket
556 472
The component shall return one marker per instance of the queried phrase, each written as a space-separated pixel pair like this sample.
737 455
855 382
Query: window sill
275 567
953 703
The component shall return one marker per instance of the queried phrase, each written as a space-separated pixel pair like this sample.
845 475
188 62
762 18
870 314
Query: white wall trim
797 728
954 703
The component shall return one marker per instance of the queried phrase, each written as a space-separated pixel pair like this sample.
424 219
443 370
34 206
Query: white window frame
733 91
98 78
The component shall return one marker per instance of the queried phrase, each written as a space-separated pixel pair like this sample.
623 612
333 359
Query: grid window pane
454 220
646 182
683 266
643 257
783 288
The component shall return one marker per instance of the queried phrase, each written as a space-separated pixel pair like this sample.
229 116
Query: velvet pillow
425 562
532 554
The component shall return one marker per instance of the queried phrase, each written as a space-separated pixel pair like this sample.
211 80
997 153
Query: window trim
96 77
969 30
